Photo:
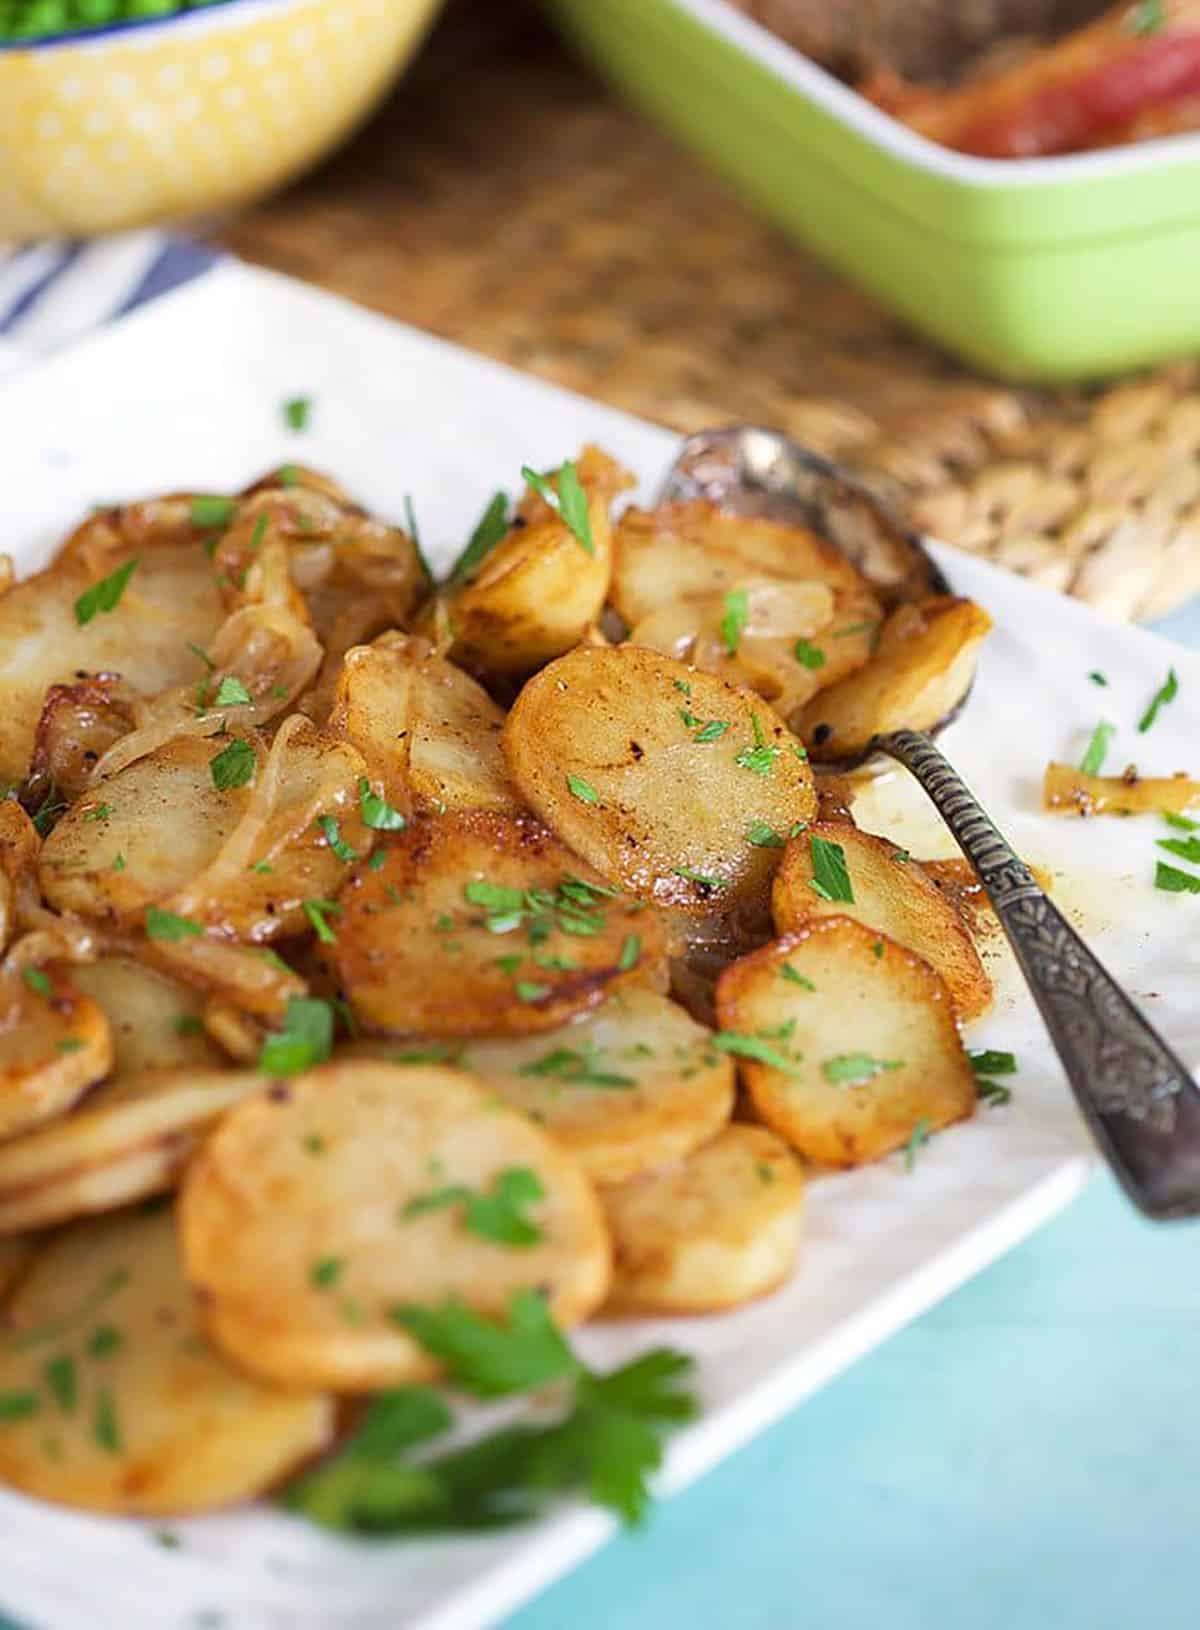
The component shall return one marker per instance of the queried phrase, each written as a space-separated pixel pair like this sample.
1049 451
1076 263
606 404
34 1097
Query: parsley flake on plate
106 594
498 1215
1165 694
233 766
297 412
1172 881
375 811
305 1040
831 876
1092 761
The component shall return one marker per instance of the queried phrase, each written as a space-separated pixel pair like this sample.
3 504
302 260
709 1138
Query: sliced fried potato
169 602
659 775
54 1044
119 1404
1070 791
846 1042
16 1253
478 923
156 1022
719 1228
131 1139
919 675
78 724
892 895
20 899
240 858
317 1210
455 761
631 1086
372 708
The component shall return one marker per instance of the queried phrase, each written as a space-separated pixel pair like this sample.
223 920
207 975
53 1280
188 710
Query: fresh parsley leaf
567 498
578 1067
233 766
209 510
855 628
489 529
1166 692
375 811
305 1040
1181 823
62 1379
1092 761
104 1341
918 1139
98 812
793 978
48 811
1147 17
831 876
734 619
232 693
118 864
682 685
106 594
187 1024
71 1044
712 731
414 533
852 1069
991 1062
631 950
808 656
763 836
1172 881
333 837
317 912
259 533
1097 678
165 925
325 1272
993 1093
105 1427
756 1048
198 651
761 757
487 1359
38 982
297 412
702 878
527 991
583 790
18 1406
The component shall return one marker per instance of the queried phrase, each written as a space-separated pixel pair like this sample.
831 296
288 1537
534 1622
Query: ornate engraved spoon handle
1138 1098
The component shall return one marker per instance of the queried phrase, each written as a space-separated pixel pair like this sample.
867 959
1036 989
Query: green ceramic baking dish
1059 268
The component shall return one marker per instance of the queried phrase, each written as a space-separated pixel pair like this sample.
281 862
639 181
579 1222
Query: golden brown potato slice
54 1044
892 895
170 601
16 1253
537 591
1070 791
318 1211
241 857
846 1042
718 1228
455 761
664 778
484 924
632 1085
155 1021
131 1139
920 673
372 709
115 1403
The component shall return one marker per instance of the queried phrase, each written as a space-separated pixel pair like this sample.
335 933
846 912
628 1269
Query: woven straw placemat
505 200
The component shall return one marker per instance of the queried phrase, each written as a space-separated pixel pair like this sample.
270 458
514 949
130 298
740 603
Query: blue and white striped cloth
53 293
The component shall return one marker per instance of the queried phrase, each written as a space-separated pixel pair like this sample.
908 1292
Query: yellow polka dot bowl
178 116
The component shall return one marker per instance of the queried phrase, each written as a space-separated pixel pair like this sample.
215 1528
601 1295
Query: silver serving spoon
1137 1096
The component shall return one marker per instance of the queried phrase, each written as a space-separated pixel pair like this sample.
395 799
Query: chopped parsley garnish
583 790
38 982
703 878
325 1273
527 991
631 950
1166 692
70 1044
917 1140
314 1144
231 692
1092 761
317 911
376 812
758 1048
105 1426
17 1406
48 811
377 861
489 529
104 1341
763 836
208 510
734 619
297 412
831 876
579 1067
682 685
991 1062
305 1040
165 925
414 534
867 627
1147 17
1181 823
497 1215
1097 678
106 594
712 731
1172 881
187 1024
333 837
63 1381
259 533
793 978
233 766
852 1069
98 812
167 1539
605 1441
761 757
993 1092
808 656
198 651
569 499
118 864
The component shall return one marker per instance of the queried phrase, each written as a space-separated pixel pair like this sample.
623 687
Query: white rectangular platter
187 393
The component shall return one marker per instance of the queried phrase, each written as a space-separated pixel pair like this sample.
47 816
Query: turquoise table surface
1023 1456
